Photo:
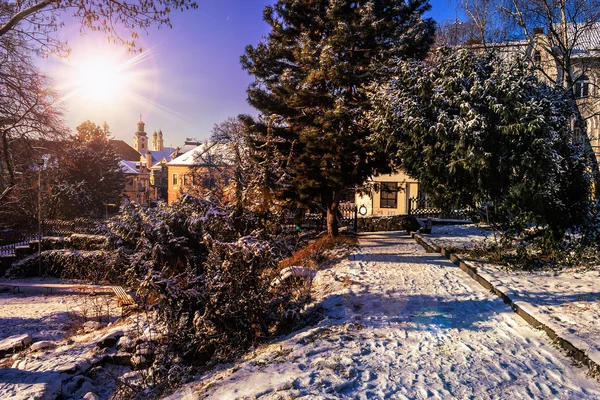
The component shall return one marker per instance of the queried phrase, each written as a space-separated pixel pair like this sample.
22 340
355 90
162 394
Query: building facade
388 194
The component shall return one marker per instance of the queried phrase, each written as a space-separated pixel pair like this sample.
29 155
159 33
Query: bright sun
100 79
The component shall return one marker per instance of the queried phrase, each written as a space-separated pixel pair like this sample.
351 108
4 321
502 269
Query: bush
94 266
206 271
86 242
477 130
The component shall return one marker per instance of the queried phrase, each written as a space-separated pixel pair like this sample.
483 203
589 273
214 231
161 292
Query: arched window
582 87
537 58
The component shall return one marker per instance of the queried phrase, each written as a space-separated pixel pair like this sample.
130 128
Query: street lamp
40 163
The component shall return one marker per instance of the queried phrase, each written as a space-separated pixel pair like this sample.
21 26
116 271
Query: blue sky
188 77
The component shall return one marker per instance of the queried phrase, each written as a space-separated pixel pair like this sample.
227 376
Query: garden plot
568 301
65 360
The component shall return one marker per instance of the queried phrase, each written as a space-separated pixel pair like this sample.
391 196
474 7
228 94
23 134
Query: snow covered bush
96 266
81 241
206 271
476 130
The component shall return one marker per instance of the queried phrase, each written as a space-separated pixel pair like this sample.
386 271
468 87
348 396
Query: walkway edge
530 317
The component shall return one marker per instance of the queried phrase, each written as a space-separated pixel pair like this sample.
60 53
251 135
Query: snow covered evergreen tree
88 175
311 72
475 130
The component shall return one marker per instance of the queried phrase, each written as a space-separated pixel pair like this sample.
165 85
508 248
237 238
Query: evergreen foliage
207 271
474 130
310 73
88 175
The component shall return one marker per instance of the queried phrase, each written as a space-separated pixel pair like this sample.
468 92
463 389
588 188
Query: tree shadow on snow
47 327
544 298
413 312
406 258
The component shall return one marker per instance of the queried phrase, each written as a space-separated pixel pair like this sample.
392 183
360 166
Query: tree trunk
333 202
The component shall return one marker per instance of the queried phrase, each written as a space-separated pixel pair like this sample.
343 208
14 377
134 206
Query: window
174 179
582 87
389 195
537 58
142 145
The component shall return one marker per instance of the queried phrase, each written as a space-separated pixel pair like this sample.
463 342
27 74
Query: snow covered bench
126 302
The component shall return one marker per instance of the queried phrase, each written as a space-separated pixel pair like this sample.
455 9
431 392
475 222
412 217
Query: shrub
94 266
86 242
206 271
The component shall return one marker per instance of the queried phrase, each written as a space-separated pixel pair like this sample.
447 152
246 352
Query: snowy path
400 323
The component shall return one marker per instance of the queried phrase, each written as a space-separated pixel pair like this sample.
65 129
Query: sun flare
100 79
103 81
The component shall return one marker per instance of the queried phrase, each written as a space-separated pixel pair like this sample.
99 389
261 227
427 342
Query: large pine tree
311 74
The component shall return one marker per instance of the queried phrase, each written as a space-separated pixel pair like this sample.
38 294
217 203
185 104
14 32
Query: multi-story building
204 167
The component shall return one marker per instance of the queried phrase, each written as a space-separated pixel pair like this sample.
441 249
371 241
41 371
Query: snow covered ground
400 323
568 300
459 237
56 318
47 317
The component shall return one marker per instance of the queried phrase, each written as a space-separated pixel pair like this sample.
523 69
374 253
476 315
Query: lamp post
40 163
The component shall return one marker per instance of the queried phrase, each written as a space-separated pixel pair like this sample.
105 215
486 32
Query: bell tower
160 144
154 144
140 139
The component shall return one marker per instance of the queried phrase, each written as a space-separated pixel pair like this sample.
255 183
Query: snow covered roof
200 153
166 153
585 38
588 37
128 167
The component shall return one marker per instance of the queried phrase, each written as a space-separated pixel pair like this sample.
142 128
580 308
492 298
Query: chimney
538 30
148 160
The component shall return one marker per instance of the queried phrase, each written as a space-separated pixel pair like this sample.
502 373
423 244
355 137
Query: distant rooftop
128 167
125 151
167 153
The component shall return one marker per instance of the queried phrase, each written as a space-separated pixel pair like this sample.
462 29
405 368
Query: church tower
140 139
160 145
154 141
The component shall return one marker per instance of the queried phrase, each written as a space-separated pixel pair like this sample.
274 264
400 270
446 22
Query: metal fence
66 228
311 220
423 208
12 238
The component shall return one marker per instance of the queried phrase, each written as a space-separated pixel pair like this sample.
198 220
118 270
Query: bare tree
231 135
29 28
457 33
28 113
37 22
